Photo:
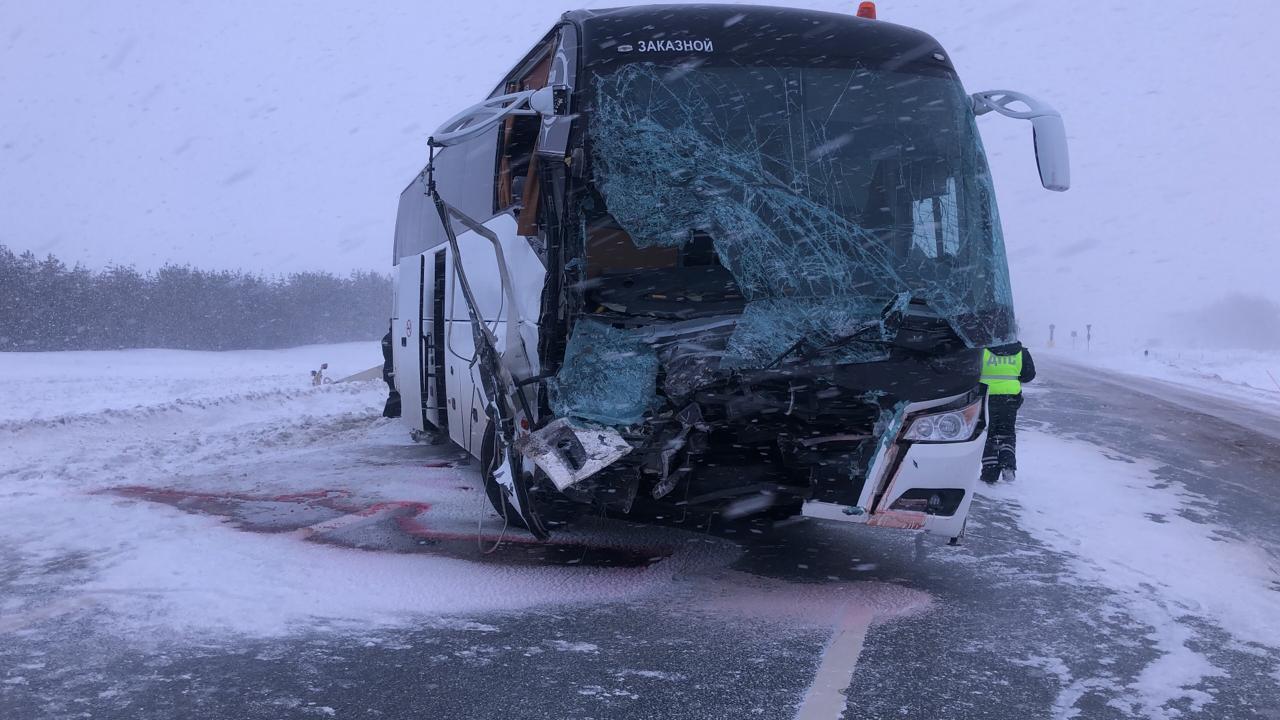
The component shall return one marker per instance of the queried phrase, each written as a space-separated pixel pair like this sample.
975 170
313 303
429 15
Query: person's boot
392 408
1008 475
990 474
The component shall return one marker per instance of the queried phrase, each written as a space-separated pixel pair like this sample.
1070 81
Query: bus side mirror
1047 132
550 100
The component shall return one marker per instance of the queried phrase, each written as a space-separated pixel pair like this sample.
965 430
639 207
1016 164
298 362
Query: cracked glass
608 376
827 193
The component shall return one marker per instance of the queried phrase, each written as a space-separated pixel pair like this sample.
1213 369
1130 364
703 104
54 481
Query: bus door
466 413
407 339
434 319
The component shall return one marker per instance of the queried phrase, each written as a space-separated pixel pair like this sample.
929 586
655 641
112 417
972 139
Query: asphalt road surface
805 619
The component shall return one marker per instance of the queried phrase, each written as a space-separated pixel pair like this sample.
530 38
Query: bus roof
754 31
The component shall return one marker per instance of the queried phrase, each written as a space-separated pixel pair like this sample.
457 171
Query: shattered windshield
826 192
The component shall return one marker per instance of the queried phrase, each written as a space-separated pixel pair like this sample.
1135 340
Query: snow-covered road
205 534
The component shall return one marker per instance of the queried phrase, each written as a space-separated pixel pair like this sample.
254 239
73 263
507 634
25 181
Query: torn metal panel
569 453
672 457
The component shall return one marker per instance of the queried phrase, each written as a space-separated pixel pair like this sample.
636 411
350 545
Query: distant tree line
45 305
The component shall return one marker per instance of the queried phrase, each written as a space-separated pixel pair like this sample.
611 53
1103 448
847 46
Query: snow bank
67 384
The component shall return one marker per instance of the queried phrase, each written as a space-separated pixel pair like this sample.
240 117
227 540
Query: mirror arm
550 100
483 115
999 100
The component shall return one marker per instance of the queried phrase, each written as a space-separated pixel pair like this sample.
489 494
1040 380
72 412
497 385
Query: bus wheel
495 492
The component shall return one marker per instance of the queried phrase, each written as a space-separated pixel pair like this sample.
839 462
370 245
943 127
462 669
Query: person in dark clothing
1004 369
392 407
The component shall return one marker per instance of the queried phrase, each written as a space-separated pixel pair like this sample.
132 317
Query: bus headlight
950 426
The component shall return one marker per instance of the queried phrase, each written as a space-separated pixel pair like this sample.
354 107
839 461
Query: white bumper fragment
569 452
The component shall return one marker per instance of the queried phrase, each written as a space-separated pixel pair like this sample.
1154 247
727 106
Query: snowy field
198 497
1248 377
64 385
1218 369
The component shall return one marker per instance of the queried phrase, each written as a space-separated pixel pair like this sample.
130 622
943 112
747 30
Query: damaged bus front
721 258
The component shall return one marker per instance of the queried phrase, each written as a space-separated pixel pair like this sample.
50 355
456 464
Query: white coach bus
722 258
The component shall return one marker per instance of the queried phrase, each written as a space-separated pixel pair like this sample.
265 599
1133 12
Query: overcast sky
276 136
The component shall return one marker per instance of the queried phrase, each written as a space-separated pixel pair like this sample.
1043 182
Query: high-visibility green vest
1000 373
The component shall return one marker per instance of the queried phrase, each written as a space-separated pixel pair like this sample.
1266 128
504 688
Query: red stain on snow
337 510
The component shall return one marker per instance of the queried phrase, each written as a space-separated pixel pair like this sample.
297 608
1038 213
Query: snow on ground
104 457
1133 533
249 424
61 384
1248 375
78 425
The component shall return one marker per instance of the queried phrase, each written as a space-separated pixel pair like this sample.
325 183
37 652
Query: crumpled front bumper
901 467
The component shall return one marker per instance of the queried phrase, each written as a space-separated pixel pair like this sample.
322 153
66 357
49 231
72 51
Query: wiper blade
847 340
842 341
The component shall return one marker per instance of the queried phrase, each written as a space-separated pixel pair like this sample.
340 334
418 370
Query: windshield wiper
847 340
